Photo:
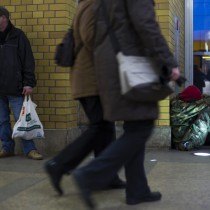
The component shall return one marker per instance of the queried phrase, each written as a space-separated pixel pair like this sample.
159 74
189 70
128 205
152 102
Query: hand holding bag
139 81
28 125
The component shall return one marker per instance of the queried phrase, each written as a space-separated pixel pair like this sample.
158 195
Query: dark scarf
3 35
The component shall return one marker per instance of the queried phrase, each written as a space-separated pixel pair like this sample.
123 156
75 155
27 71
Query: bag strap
29 97
114 41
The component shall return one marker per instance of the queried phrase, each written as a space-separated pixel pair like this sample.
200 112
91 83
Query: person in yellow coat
100 132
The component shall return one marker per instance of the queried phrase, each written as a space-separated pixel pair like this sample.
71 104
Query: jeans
15 103
128 151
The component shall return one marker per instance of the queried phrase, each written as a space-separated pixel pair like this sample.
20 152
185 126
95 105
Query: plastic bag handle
27 98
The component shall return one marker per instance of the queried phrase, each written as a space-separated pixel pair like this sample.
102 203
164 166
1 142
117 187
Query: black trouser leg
128 150
98 136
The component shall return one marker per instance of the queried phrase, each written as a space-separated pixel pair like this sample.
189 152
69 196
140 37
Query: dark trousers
97 137
127 151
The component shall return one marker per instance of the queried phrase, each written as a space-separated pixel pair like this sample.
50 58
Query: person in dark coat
134 24
100 132
17 79
198 78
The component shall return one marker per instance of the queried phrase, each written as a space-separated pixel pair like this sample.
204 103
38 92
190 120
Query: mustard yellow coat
83 77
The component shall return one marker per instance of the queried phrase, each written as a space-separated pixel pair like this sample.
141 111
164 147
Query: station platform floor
181 177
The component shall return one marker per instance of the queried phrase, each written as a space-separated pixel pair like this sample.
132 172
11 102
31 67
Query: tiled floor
182 178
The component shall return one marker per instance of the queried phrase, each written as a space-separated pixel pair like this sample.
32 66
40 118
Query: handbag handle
27 97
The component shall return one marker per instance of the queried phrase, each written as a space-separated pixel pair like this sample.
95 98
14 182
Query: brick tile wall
166 10
45 23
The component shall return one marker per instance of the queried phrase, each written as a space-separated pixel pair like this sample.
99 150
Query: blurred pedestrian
100 132
134 24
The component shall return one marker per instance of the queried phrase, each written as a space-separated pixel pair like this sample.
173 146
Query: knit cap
190 93
4 11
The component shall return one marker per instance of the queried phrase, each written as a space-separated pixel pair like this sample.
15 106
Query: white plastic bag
28 125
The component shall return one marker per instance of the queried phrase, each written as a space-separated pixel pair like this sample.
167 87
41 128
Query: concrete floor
182 178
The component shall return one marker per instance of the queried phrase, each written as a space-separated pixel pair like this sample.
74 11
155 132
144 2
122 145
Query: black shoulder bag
65 51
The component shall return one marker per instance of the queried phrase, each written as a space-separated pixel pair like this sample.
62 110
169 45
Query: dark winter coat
16 63
134 24
83 76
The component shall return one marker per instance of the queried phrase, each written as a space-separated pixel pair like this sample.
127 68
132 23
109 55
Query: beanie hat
4 11
190 93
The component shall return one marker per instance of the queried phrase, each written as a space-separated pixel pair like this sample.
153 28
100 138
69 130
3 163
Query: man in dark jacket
134 24
17 79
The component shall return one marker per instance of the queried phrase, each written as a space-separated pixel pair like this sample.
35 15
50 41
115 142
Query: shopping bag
28 125
139 79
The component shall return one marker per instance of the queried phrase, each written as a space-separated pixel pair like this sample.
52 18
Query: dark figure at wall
198 78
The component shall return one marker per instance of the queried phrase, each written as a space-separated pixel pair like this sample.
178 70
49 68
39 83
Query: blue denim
15 104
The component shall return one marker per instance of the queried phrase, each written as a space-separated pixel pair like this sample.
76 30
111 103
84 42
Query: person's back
134 25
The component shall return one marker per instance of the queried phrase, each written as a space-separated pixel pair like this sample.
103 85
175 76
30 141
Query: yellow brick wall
45 23
166 10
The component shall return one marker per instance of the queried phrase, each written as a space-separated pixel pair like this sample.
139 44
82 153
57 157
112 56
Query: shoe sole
143 200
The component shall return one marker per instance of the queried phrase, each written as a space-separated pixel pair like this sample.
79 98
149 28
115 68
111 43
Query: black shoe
116 184
84 190
152 196
54 174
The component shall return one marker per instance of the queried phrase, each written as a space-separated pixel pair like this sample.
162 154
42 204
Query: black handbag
65 51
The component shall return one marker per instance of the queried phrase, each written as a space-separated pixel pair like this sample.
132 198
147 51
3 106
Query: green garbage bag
190 123
196 135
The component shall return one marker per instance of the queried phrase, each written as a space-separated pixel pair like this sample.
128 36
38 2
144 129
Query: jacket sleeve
142 15
27 61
